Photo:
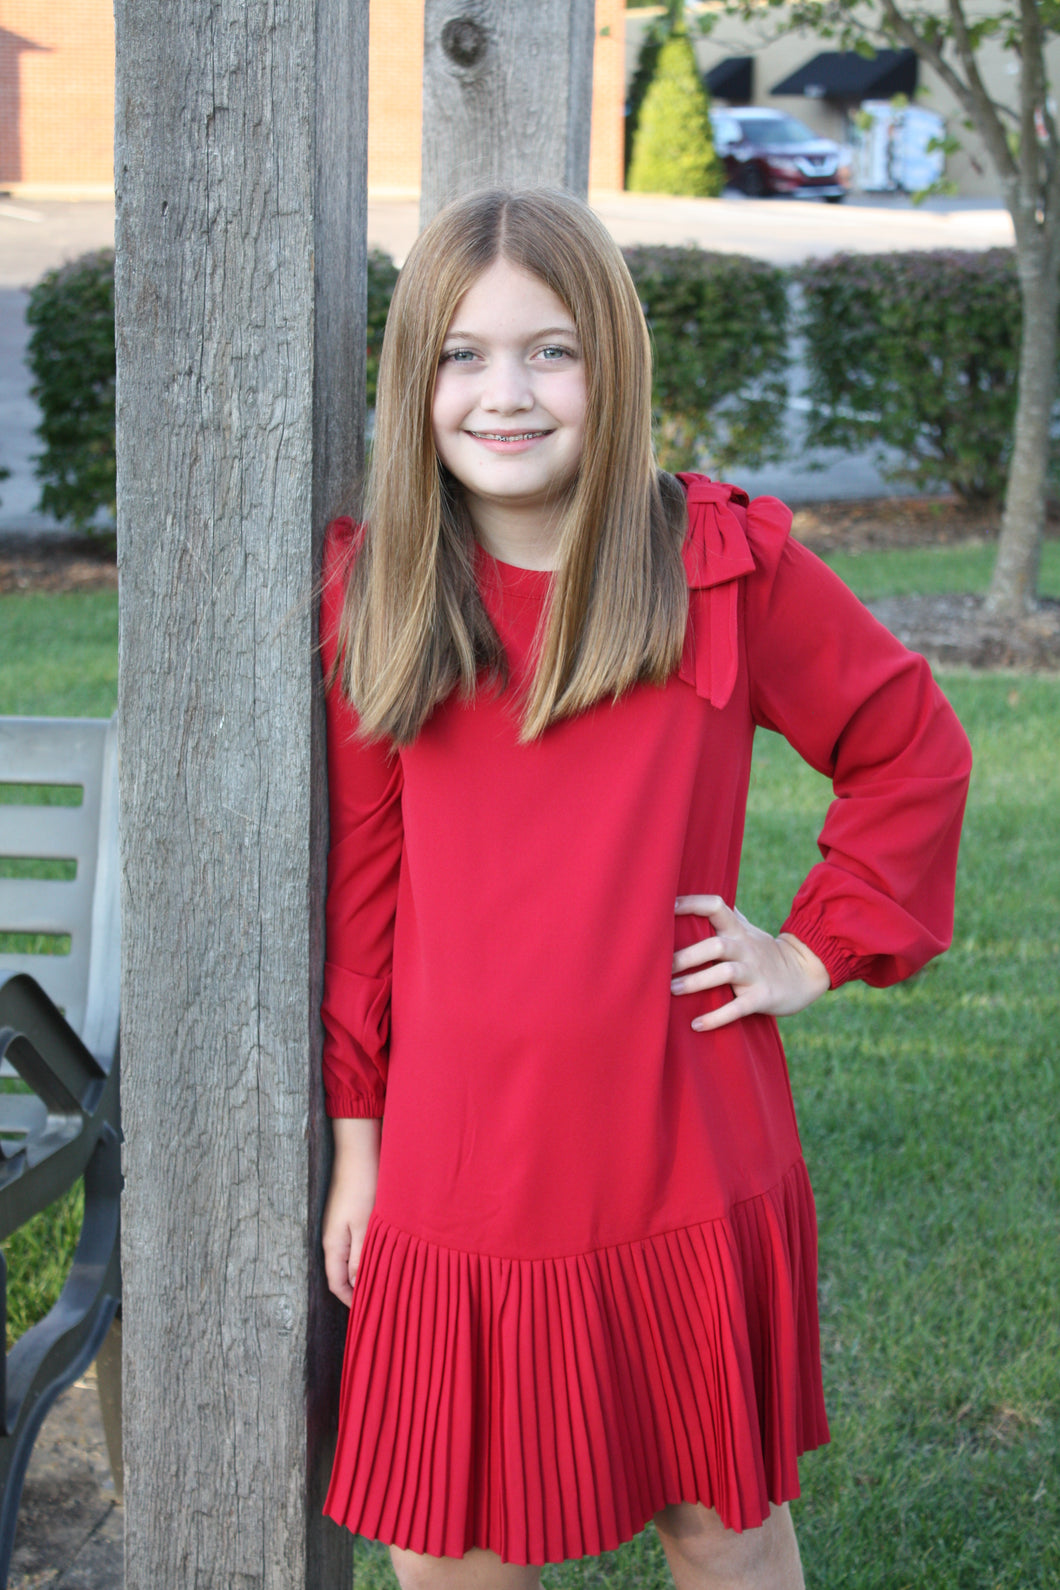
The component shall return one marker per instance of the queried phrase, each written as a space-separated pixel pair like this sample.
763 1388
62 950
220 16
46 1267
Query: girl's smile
508 441
508 413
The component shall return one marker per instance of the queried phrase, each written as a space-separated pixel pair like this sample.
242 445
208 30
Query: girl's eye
457 355
555 351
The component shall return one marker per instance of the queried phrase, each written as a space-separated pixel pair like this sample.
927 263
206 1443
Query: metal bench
59 1034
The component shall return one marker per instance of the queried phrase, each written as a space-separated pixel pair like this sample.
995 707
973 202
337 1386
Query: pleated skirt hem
546 1409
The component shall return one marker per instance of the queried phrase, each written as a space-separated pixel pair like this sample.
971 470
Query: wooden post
507 96
241 179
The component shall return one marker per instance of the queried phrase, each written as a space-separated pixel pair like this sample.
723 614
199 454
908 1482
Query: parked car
765 152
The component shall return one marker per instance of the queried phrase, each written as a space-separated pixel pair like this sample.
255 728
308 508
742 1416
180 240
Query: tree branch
1032 99
971 95
980 105
1036 102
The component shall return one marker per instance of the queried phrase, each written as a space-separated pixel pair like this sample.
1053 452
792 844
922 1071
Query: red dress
588 1287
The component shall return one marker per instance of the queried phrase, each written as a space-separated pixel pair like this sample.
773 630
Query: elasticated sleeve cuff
352 1107
842 964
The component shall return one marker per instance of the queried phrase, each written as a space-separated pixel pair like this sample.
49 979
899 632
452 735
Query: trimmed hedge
71 355
382 274
918 352
719 324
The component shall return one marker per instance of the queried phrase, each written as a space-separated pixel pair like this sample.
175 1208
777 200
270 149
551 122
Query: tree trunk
241 181
507 96
1015 577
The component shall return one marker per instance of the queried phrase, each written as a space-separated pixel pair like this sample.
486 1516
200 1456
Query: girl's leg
475 1570
704 1555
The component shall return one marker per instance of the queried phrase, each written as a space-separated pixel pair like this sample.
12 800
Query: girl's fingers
340 1282
708 905
716 976
696 954
734 1010
341 1260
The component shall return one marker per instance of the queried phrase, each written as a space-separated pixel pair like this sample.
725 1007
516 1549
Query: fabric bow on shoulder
716 555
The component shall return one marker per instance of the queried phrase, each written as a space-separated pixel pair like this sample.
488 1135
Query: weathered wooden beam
507 96
241 179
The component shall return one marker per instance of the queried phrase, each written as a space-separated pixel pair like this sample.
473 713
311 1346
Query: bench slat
43 905
53 831
51 750
21 1113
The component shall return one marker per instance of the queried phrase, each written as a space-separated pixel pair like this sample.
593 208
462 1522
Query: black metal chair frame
68 1126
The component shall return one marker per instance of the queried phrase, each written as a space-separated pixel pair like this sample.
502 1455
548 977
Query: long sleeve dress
588 1287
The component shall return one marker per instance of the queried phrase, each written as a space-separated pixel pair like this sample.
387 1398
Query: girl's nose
506 389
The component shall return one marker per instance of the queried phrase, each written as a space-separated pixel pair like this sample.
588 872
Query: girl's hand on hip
768 976
351 1198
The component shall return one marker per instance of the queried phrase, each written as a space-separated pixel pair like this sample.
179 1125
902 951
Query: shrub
71 355
918 352
719 327
673 146
652 40
382 274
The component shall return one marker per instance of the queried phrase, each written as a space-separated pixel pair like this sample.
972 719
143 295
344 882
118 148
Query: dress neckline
510 578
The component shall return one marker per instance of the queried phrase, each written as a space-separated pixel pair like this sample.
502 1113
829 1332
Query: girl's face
509 410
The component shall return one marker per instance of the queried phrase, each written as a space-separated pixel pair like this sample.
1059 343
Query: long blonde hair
413 627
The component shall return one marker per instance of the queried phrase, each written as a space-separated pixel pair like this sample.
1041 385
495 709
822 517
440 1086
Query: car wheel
835 198
754 183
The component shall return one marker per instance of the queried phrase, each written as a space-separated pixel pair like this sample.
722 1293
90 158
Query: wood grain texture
507 96
241 178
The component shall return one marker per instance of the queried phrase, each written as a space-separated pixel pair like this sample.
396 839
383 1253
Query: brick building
57 96
395 71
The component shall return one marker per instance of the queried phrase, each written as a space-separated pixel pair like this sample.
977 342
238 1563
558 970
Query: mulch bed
879 522
952 630
54 562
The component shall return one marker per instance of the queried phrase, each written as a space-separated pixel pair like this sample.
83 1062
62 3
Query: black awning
846 75
731 79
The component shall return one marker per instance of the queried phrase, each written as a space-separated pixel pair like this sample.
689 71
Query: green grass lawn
930 1120
929 1115
932 571
60 654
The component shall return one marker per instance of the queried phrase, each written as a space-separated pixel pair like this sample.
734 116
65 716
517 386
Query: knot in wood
464 40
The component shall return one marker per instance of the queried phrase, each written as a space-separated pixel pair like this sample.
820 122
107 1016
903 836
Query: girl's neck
526 542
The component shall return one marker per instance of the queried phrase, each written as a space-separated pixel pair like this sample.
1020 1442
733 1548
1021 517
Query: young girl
582 1264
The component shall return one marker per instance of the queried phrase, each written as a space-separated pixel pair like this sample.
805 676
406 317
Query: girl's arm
866 712
351 1197
364 863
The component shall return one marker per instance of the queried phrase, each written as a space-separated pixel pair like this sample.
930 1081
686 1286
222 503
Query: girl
582 1269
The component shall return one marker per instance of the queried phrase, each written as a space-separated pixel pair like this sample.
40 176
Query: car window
726 128
763 130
